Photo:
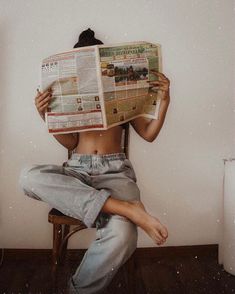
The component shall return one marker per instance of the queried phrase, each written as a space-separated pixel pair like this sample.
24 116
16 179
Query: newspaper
99 87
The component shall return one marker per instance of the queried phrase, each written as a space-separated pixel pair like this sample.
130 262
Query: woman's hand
162 84
42 101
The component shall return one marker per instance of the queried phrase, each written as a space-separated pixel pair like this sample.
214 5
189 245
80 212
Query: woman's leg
125 199
82 197
113 246
117 237
74 197
70 194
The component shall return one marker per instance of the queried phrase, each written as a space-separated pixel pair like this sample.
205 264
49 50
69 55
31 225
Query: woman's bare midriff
100 142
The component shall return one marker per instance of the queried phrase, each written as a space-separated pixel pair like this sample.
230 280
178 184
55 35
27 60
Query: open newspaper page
125 72
76 104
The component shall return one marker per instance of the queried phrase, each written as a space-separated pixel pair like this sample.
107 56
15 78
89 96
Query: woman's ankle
116 206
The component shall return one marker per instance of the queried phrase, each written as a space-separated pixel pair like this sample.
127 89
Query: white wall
180 174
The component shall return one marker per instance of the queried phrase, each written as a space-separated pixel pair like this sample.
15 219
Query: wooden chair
62 226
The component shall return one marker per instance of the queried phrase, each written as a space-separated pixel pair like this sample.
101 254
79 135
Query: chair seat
57 217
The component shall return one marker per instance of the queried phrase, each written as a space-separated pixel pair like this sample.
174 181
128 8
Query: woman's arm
69 141
149 129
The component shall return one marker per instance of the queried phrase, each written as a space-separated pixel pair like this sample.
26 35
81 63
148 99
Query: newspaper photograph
98 87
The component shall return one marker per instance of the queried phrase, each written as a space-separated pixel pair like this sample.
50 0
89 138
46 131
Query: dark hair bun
87 38
88 34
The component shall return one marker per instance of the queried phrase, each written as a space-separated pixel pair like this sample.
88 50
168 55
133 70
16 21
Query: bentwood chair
64 226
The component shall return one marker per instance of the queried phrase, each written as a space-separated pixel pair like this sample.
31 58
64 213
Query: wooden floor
173 270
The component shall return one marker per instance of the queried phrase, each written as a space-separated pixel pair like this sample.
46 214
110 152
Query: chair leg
66 230
57 238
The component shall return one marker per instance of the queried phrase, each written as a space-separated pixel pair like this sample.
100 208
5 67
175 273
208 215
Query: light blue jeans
80 189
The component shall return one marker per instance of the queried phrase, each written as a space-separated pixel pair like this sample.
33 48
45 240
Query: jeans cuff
96 207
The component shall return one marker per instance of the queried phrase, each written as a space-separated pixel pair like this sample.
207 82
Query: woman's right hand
42 101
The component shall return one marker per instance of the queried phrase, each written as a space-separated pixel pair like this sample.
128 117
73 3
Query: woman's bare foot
150 224
135 211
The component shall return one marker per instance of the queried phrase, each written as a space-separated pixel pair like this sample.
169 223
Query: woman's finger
44 107
157 73
161 88
38 94
43 96
154 89
154 86
161 75
44 102
164 85
41 105
157 83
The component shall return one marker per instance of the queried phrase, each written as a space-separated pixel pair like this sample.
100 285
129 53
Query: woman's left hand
162 84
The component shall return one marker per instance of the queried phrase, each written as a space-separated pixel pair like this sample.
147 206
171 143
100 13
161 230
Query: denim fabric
113 246
79 189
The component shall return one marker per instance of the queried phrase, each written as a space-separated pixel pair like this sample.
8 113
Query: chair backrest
125 141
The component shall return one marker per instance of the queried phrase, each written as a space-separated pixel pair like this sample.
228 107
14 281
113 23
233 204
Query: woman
98 186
